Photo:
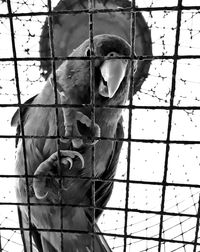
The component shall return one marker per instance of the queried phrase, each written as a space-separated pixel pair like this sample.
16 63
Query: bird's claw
66 161
47 175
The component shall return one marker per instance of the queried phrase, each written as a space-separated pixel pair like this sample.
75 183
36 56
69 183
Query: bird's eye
87 52
112 54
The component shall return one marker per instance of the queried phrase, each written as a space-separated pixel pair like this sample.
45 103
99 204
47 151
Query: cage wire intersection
155 204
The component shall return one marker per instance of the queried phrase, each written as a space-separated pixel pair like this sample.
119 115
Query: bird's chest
97 158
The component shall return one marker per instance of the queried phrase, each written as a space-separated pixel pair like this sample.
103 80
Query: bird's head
111 74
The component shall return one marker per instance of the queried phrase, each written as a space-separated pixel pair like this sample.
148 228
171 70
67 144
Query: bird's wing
15 121
24 224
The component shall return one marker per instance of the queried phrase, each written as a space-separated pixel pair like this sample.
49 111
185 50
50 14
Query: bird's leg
48 182
79 126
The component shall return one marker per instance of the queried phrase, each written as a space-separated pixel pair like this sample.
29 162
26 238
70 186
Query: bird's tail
88 243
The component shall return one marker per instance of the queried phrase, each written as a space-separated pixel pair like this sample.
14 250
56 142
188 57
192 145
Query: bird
86 131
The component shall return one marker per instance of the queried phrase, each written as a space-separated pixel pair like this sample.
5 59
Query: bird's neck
108 119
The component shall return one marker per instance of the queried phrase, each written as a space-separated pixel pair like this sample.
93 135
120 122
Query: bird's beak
113 72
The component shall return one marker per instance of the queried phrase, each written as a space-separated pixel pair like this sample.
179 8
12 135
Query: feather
15 121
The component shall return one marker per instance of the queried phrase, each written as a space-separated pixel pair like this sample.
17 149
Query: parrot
65 174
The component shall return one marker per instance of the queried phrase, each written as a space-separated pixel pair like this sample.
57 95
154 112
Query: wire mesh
155 202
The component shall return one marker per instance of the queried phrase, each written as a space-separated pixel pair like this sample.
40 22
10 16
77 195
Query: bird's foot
81 128
48 181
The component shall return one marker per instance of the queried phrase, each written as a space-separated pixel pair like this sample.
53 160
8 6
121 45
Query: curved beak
113 72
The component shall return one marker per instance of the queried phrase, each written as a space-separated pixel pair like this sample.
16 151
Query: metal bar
95 10
92 109
131 91
167 213
179 223
139 57
141 211
179 12
174 107
52 51
0 243
105 234
139 140
197 228
21 118
145 182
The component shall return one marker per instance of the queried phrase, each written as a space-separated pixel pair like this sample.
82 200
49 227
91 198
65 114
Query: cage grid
155 205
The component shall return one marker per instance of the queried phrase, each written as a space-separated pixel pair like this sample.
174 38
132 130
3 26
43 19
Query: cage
155 204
